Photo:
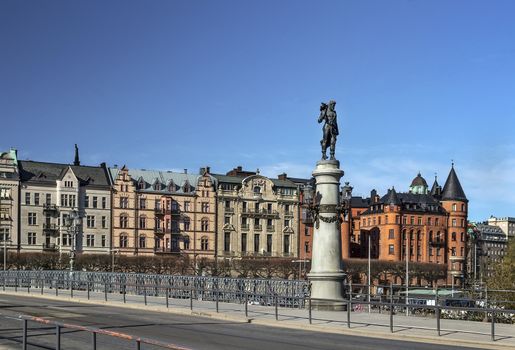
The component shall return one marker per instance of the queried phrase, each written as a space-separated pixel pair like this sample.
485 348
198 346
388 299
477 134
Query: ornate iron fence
289 293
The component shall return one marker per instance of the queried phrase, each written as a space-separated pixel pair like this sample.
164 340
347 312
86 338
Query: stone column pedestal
326 275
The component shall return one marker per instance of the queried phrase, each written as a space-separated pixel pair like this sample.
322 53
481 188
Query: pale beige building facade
9 199
257 216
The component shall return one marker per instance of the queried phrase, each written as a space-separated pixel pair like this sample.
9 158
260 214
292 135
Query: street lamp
407 248
73 222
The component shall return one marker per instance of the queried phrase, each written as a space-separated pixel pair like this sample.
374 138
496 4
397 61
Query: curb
277 324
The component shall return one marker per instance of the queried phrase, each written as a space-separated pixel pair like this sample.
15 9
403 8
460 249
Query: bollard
56 288
217 297
4 282
24 335
42 286
16 284
89 286
28 286
124 292
246 304
94 340
71 288
493 325
309 309
391 316
105 291
438 319
349 307
167 292
145 293
57 337
138 344
191 299
276 309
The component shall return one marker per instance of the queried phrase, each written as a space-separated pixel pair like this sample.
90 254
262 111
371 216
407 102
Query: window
90 221
286 244
187 242
36 198
391 250
269 207
67 239
227 220
243 242
175 206
90 240
186 224
104 222
286 223
404 220
142 222
104 202
244 206
306 231
437 251
48 199
27 198
227 241
187 206
462 222
462 251
104 241
68 184
386 219
257 189
33 219
463 207
306 247
412 220
391 234
124 241
429 221
256 207
31 238
453 222
437 222
453 237
256 243
124 221
142 241
124 202
430 251
86 202
454 207
453 251
269 243
205 207
419 221
95 202
462 237
379 220
204 243
204 225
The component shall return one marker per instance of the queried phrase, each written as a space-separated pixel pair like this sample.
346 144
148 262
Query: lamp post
73 222
407 272
369 280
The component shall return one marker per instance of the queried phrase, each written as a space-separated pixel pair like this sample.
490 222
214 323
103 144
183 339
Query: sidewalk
413 328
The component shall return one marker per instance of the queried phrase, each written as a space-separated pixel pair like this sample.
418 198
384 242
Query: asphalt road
193 332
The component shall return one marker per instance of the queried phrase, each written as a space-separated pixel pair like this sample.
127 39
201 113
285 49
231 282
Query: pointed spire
452 189
76 161
436 189
391 197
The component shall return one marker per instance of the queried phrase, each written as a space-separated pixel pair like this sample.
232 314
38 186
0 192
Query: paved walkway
414 328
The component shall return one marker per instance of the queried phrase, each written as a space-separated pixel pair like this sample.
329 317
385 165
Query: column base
327 305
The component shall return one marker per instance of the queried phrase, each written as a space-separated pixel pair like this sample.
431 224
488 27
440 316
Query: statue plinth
326 275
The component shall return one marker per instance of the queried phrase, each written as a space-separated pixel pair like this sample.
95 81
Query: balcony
288 213
158 231
437 243
245 227
229 210
173 230
172 212
50 228
270 228
163 250
159 211
50 209
49 247
258 228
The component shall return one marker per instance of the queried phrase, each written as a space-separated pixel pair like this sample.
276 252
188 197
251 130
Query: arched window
454 207
204 225
463 207
204 243
124 240
419 235
430 236
124 221
257 189
142 241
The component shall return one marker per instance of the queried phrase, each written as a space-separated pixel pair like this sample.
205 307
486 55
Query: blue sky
184 84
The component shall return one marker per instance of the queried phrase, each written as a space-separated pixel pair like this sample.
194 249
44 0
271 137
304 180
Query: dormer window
257 189
141 184
157 185
171 186
186 188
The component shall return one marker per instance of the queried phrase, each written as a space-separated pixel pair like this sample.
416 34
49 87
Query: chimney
239 168
282 176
